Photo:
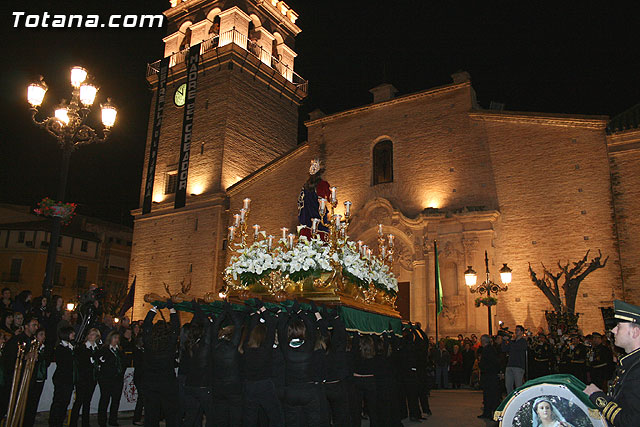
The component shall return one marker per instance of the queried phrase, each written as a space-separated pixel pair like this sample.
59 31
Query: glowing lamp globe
62 114
70 306
470 277
78 75
35 93
88 94
505 274
109 113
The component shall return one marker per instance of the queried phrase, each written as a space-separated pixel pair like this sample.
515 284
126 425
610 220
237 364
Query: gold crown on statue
316 166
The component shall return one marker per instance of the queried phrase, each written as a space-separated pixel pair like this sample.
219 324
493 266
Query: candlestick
347 209
343 231
256 231
243 214
380 232
369 253
336 219
391 238
290 240
360 243
284 230
383 252
269 242
323 206
314 225
363 251
246 202
334 195
232 233
236 220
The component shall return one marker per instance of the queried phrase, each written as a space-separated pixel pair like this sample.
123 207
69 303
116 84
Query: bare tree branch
543 285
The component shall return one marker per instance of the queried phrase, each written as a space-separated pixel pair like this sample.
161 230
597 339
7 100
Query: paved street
456 408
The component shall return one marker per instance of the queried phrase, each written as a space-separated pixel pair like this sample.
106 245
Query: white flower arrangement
252 263
305 258
309 258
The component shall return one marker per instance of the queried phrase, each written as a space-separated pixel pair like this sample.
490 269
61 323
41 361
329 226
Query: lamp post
68 126
488 286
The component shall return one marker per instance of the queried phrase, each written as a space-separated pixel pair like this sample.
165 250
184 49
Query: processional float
327 268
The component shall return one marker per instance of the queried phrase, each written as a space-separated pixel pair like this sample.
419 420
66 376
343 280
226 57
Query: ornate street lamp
68 126
488 286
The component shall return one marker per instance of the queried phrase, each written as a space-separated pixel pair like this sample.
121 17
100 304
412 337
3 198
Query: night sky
558 59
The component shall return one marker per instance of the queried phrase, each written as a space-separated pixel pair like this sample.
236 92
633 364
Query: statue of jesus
308 202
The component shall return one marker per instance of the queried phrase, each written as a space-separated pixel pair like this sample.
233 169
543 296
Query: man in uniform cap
602 357
621 406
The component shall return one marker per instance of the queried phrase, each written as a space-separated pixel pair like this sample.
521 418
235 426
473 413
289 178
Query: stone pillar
288 56
265 42
234 27
172 43
199 33
418 292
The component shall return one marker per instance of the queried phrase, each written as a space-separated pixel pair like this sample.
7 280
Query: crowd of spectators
496 364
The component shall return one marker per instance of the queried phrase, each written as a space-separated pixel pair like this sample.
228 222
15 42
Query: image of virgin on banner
549 401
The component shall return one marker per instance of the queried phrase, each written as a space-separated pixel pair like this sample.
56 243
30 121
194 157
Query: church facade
430 166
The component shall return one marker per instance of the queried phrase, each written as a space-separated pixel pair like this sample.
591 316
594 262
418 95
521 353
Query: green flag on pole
439 305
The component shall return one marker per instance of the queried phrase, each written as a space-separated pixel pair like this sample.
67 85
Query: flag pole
435 284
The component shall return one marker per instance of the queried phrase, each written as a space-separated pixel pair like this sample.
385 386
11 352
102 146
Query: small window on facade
21 237
84 246
81 276
171 183
383 162
16 267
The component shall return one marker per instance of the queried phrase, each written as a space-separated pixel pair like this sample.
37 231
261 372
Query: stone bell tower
245 115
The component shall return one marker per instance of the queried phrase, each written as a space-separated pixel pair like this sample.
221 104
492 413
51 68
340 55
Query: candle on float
269 242
380 232
284 230
256 231
347 209
290 238
391 237
236 220
243 215
232 233
323 205
334 195
314 225
245 204
360 243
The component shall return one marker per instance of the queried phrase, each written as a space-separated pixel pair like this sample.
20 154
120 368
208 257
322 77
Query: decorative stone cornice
623 142
549 119
401 99
194 203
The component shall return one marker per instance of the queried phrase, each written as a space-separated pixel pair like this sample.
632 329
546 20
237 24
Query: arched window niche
383 162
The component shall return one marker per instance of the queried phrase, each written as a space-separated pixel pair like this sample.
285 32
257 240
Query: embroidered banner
187 125
155 135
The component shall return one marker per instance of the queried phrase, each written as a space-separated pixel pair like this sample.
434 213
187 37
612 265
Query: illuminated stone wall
546 176
624 149
552 180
